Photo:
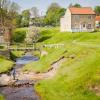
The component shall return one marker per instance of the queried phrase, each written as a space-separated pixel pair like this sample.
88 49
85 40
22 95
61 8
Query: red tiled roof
97 18
83 10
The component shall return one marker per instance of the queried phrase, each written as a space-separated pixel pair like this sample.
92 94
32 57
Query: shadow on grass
44 38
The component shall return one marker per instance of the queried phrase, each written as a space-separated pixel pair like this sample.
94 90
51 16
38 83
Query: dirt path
20 75
39 76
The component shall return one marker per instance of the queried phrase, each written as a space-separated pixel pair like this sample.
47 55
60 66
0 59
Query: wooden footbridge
24 47
20 47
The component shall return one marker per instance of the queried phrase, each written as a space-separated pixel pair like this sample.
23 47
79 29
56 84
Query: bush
16 54
12 56
19 36
1 97
1 47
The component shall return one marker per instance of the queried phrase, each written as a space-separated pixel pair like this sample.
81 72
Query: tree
34 16
62 12
77 5
32 35
8 12
97 10
34 12
18 20
70 5
53 14
25 18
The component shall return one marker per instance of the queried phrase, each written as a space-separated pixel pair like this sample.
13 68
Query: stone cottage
97 21
78 20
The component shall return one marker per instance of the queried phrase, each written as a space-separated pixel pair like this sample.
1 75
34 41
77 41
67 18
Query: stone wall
5 53
79 20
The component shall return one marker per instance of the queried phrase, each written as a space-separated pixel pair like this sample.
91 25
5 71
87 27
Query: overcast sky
42 5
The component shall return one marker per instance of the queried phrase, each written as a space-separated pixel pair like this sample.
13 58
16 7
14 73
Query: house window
83 25
77 17
89 17
89 26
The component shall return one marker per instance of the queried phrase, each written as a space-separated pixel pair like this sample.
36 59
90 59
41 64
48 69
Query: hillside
5 65
78 76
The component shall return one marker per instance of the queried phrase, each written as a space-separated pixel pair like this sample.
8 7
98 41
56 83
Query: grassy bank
1 97
70 83
54 36
5 65
16 54
74 77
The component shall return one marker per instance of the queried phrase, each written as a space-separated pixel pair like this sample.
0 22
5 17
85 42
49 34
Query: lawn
1 97
74 77
70 83
5 65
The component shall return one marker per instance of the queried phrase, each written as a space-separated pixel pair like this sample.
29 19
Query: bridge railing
24 46
17 46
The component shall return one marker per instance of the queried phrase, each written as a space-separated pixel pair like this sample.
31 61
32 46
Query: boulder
5 80
44 53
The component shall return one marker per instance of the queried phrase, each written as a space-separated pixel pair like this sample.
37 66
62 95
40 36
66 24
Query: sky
42 5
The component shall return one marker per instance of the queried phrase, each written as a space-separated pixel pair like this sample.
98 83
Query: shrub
1 47
19 36
16 54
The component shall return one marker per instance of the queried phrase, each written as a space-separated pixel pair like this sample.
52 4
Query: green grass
1 97
71 79
21 29
5 65
44 63
74 75
53 36
18 53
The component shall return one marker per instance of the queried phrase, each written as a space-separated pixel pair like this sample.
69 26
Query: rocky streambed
18 89
23 87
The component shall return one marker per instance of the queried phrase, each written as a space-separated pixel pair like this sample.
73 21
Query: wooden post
33 46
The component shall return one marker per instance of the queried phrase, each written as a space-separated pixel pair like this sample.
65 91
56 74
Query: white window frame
77 17
89 26
89 17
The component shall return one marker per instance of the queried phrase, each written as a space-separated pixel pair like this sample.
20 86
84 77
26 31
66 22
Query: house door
83 26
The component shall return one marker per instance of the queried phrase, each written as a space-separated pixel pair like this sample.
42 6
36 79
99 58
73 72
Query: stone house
97 21
78 20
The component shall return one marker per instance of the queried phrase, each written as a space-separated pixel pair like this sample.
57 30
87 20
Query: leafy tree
70 5
53 14
62 12
8 12
77 5
35 19
34 12
97 10
32 35
25 18
18 20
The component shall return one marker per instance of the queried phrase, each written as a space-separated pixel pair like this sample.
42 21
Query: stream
23 89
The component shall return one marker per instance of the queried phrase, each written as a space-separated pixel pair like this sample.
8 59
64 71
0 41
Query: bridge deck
21 48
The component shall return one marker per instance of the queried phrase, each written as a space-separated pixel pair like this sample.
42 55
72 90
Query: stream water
25 88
